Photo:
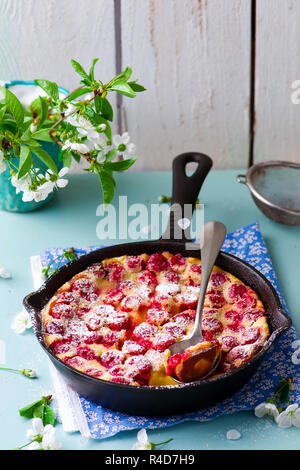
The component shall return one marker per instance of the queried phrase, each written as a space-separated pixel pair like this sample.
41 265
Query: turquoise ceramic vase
9 199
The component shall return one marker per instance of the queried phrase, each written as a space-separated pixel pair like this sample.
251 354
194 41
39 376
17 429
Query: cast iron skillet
151 401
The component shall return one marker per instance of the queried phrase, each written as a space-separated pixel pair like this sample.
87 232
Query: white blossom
289 417
30 373
33 128
58 180
21 322
123 145
143 442
43 437
23 184
266 409
233 434
4 273
2 162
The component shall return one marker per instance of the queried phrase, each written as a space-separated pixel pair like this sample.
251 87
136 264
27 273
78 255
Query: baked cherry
117 321
215 298
134 263
67 298
97 270
112 358
55 327
85 353
171 277
113 297
157 316
175 330
185 317
239 353
86 289
173 362
111 338
250 336
177 263
94 373
61 347
147 278
131 302
253 315
60 310
228 342
93 322
143 330
196 268
115 272
218 279
212 324
132 348
157 263
94 338
236 291
163 341
247 301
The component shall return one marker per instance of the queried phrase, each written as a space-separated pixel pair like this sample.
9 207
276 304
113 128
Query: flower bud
33 128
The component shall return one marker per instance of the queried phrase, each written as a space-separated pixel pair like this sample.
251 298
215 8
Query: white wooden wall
193 57
277 66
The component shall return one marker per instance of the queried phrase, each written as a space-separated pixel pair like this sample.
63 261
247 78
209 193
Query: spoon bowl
197 357
198 363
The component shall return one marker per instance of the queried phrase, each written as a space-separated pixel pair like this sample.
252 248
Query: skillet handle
185 192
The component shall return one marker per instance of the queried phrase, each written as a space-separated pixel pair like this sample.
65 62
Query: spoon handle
212 238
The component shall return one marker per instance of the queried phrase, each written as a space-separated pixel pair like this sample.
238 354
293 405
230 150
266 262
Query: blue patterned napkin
248 244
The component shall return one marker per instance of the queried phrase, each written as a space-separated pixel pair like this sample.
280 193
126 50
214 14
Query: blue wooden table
70 220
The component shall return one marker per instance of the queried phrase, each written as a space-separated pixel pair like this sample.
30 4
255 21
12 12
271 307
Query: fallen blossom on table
21 322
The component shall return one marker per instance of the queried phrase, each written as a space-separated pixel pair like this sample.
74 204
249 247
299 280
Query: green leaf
123 76
120 166
108 132
49 416
80 70
46 414
14 106
123 88
91 75
67 158
107 183
27 411
137 87
77 93
42 135
45 158
50 88
98 104
284 394
40 108
107 110
111 155
31 142
25 161
2 111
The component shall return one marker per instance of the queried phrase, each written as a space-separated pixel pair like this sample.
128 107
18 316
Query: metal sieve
275 189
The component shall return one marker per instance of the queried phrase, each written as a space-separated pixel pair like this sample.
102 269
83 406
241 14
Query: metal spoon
203 359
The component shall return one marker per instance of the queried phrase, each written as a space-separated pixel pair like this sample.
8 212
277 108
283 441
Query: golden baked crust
117 319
